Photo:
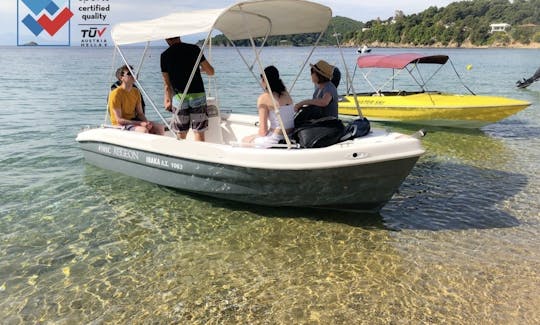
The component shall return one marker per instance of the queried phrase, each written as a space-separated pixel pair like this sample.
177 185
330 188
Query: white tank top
287 116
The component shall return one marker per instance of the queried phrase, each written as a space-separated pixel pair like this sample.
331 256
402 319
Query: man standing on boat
177 64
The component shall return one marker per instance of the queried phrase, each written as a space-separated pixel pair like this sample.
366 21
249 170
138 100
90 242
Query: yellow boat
425 107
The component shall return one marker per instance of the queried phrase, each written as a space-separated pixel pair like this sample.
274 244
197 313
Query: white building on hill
502 27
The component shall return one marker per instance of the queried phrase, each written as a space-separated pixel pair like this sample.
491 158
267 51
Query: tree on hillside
454 24
459 22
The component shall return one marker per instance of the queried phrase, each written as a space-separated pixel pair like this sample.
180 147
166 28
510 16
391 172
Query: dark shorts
131 127
193 113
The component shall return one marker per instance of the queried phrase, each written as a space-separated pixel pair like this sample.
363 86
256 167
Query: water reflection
469 146
144 252
177 258
351 218
95 178
437 195
514 129
449 196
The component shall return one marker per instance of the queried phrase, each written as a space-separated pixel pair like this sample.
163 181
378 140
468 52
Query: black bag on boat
355 129
306 115
319 133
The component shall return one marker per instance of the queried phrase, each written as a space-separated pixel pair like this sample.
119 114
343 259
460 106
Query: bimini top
398 61
240 21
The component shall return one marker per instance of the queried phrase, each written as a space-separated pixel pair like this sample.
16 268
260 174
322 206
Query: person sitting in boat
271 133
125 106
118 82
325 97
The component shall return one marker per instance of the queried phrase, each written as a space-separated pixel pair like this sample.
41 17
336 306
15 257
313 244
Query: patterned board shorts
193 113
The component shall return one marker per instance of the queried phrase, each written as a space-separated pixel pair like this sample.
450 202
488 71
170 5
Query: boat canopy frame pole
212 84
306 61
141 88
250 66
347 75
259 51
431 77
423 84
459 77
394 76
141 62
378 91
106 117
257 54
365 75
420 83
348 92
258 61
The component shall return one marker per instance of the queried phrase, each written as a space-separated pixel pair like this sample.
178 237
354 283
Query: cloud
8 22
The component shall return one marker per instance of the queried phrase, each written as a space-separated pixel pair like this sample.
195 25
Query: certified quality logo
42 22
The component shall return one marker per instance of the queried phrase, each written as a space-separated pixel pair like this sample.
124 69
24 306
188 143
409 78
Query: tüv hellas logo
43 22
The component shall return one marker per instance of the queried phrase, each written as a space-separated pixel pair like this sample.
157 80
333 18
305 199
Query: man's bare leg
199 136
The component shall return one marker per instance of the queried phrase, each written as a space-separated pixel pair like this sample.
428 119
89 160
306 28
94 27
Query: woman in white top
270 131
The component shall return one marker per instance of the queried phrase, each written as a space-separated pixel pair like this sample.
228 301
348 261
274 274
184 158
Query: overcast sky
126 10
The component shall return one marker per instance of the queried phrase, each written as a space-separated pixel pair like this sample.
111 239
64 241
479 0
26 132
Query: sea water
457 244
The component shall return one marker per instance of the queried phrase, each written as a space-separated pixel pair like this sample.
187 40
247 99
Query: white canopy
240 21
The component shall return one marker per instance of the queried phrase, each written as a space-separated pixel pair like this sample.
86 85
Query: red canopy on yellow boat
398 61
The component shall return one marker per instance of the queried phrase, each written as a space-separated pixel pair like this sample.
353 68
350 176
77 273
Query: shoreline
465 45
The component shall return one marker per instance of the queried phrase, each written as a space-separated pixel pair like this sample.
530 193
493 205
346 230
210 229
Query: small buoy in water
469 66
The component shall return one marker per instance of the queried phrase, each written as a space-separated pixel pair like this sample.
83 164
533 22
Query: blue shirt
332 108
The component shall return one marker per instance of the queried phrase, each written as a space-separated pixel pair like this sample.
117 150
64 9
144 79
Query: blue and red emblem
47 16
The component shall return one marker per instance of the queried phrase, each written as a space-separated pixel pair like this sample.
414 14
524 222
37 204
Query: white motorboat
359 174
364 49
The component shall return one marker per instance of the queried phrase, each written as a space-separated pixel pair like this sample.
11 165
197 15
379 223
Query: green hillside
339 25
454 25
457 23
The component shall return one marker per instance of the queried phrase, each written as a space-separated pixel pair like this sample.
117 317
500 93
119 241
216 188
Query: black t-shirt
178 61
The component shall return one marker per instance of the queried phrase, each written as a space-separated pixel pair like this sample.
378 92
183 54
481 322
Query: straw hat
324 68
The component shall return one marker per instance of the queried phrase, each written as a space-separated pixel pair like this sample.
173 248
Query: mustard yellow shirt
127 101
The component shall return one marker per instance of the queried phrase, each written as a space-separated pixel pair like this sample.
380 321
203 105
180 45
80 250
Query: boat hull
363 186
435 109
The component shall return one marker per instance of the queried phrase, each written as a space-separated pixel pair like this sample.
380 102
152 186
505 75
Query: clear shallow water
457 244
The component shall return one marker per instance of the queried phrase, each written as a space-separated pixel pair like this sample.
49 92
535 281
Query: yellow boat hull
436 109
